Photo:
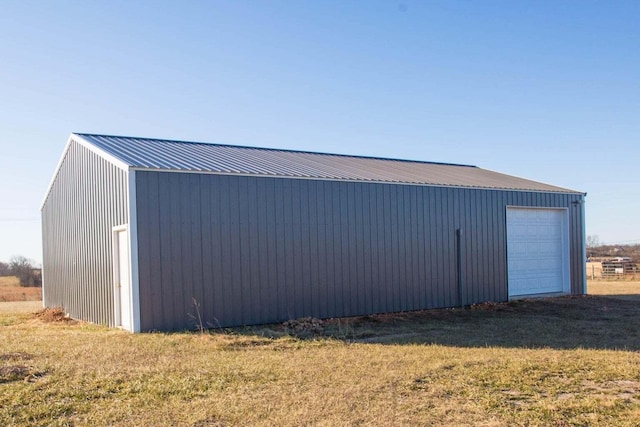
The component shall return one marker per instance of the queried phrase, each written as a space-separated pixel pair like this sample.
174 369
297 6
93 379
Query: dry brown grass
622 289
566 361
10 290
20 306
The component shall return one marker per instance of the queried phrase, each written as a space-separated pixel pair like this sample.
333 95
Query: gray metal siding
258 250
87 198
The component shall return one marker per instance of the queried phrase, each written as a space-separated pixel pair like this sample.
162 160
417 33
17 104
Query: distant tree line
597 250
24 269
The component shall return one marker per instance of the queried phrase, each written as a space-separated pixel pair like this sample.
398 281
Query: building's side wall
87 198
245 250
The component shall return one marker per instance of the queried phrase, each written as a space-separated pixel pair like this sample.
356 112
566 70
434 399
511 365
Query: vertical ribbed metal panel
258 250
87 198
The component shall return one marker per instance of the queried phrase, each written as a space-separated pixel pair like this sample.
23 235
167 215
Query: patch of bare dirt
14 373
383 339
304 327
212 422
246 344
624 389
15 356
19 373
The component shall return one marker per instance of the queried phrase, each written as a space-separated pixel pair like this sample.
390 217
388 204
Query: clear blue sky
546 90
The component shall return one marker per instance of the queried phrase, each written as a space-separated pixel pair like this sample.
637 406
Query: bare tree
24 269
593 241
4 269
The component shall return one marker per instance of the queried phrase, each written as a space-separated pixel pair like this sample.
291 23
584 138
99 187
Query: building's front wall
236 250
88 197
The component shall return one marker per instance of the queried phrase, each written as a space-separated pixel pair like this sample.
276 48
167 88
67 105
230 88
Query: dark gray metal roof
158 154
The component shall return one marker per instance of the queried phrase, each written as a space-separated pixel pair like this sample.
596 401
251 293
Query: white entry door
537 251
122 281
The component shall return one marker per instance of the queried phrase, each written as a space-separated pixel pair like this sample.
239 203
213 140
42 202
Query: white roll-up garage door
537 251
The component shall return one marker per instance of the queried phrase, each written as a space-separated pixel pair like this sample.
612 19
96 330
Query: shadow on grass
590 322
626 297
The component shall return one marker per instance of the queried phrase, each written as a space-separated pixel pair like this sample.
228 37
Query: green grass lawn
565 361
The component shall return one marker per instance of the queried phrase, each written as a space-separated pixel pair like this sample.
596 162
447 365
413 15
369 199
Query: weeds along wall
250 250
88 197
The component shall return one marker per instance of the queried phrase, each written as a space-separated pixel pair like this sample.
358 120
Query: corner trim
133 245
584 246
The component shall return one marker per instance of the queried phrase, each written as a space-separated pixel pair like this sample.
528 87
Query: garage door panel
537 251
536 285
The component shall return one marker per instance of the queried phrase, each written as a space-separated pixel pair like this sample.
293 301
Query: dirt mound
53 315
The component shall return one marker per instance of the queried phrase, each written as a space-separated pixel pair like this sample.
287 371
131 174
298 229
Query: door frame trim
117 298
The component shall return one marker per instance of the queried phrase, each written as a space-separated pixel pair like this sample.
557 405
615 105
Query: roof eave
556 190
